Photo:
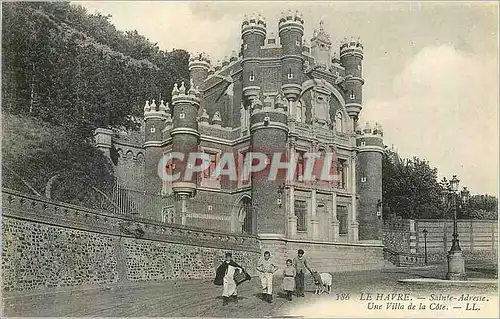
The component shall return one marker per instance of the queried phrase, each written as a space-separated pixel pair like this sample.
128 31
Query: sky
430 68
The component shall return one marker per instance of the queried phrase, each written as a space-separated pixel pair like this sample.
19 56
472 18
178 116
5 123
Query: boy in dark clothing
301 264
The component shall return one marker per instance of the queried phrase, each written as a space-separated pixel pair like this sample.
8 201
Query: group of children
230 274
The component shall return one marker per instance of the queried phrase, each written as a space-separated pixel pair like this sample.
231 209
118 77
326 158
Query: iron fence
199 213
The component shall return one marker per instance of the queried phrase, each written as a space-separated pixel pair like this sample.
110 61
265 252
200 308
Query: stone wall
478 238
327 256
48 244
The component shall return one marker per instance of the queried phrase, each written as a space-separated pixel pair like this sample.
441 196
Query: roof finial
321 26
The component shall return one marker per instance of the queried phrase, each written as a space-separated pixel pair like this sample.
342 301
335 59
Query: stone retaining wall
47 244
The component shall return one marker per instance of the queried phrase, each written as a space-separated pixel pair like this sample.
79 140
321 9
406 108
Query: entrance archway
242 220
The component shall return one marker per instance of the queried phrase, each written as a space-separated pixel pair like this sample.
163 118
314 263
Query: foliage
410 187
481 207
65 66
37 151
66 73
411 190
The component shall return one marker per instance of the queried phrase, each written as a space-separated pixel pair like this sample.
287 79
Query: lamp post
425 244
456 261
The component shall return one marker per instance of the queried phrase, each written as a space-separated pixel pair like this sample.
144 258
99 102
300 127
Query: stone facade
277 94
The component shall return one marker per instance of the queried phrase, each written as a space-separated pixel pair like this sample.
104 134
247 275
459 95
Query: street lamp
425 244
456 261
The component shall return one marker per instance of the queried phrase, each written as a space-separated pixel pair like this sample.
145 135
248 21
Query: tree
410 187
66 73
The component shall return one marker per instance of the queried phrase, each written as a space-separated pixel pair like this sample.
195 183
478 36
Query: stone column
353 224
183 209
333 234
314 235
292 219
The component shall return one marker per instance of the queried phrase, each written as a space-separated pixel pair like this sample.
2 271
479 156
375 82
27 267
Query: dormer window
352 96
359 67
271 41
153 129
182 116
363 179
252 76
290 74
245 46
363 143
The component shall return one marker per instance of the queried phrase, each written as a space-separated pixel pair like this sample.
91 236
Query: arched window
245 216
338 122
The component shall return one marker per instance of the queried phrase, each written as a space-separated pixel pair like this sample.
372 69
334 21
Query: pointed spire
147 108
175 91
192 89
321 23
153 106
162 108
216 119
204 116
182 89
368 128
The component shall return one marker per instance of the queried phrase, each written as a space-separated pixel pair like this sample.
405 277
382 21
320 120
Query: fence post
445 237
471 232
413 237
492 237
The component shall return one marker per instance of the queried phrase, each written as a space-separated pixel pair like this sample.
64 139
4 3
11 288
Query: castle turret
156 118
185 134
199 64
269 133
370 145
253 34
291 31
351 56
321 48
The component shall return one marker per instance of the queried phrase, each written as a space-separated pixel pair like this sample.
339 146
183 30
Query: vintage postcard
250 159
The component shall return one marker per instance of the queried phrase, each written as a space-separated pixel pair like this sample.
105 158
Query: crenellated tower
199 65
269 131
351 57
185 135
156 119
253 34
369 181
291 31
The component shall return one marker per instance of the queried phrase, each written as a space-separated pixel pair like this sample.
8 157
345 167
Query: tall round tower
156 117
369 181
185 135
199 64
253 34
351 57
269 131
291 31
